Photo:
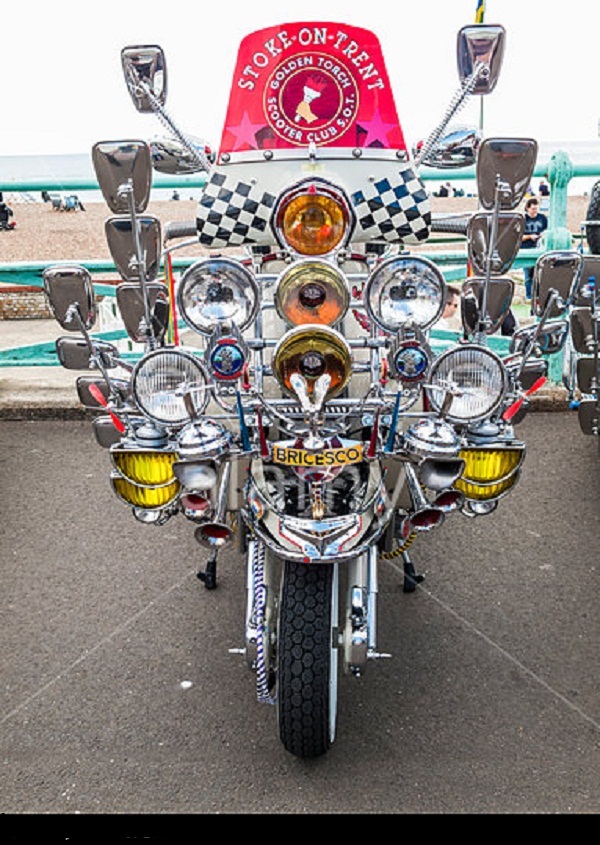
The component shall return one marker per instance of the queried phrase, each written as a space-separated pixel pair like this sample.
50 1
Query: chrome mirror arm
459 99
159 110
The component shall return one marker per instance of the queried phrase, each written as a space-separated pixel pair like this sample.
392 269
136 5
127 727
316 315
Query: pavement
48 392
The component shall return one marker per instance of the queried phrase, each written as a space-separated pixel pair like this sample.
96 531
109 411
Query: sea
60 169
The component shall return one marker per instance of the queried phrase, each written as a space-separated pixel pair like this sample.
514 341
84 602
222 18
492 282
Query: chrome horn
424 515
215 534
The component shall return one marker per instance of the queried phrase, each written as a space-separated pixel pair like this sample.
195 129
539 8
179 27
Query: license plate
327 458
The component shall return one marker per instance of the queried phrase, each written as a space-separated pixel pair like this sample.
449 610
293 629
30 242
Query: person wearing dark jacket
535 224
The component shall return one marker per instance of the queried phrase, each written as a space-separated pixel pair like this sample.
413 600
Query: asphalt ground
122 704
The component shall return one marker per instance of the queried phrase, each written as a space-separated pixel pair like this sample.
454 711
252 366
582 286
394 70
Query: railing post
560 172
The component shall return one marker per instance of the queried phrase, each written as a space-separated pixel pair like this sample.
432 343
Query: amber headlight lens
140 496
312 292
217 291
313 220
475 376
313 351
144 467
158 382
405 290
489 473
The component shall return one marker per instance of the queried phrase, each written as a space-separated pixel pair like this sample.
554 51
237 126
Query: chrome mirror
458 148
582 330
133 310
504 169
105 432
88 400
70 294
587 374
555 277
124 173
548 340
499 298
533 370
511 226
479 53
124 235
75 354
589 280
145 72
174 158
589 416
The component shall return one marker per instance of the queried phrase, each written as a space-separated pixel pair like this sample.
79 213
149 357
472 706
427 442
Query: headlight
313 351
405 290
217 291
489 472
141 496
312 292
475 376
148 467
158 382
313 219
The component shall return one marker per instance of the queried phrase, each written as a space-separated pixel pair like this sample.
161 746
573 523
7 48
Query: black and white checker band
232 213
393 208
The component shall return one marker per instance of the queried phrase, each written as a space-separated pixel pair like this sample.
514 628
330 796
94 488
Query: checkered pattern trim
233 213
394 209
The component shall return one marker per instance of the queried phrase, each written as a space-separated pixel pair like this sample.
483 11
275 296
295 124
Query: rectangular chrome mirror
124 173
70 294
130 301
83 384
589 416
457 148
74 353
556 274
499 298
122 240
550 339
582 330
511 226
479 52
504 169
589 278
145 72
587 374
105 432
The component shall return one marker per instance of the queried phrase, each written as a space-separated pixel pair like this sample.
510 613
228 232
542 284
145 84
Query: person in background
544 192
449 320
5 213
535 224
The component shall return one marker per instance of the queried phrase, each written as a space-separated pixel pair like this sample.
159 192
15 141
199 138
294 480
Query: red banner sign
302 83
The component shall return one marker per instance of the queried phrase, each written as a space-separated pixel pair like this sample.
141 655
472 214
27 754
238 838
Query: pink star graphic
245 133
377 130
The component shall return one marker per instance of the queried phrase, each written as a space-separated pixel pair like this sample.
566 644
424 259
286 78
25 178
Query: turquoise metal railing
559 171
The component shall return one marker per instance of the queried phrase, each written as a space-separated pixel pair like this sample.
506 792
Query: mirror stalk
197 155
457 102
127 191
491 256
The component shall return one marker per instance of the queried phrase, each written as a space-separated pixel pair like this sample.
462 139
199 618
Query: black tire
307 659
592 233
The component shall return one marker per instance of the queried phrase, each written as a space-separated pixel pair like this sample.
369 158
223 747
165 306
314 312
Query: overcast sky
62 88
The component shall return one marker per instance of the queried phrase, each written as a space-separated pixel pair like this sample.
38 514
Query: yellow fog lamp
313 351
490 472
147 467
312 292
143 496
314 219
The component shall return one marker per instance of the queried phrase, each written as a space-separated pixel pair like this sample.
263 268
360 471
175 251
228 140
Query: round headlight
313 351
312 292
475 376
403 290
216 291
159 380
313 219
